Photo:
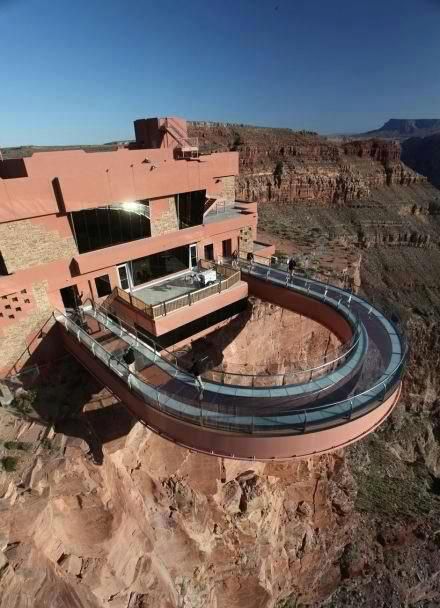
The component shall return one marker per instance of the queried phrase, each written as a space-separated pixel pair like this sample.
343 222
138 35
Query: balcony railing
228 278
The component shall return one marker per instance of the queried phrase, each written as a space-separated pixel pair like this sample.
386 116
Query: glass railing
298 372
228 414
322 367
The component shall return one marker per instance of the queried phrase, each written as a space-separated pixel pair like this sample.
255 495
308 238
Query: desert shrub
8 463
16 445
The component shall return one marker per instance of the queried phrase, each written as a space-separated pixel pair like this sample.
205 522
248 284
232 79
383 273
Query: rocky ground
142 523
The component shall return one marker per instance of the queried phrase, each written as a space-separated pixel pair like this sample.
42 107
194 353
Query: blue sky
81 71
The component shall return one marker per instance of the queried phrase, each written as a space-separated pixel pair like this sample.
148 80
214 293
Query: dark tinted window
3 269
112 225
209 252
190 207
160 265
103 286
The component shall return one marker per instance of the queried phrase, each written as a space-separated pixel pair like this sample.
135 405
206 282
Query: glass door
124 277
192 256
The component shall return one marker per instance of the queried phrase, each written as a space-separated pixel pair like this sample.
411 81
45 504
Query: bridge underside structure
335 405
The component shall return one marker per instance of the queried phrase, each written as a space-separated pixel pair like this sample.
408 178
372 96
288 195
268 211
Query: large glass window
110 225
159 265
190 207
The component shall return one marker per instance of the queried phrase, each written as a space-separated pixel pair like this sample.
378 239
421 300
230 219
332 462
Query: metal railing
301 371
257 418
140 340
272 262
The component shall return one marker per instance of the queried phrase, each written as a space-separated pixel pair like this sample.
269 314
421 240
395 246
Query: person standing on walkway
291 268
234 258
129 360
196 369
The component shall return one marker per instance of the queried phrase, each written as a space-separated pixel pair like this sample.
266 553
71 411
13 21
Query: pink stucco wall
90 179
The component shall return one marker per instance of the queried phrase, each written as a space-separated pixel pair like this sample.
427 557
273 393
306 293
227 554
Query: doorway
209 252
70 296
192 256
124 277
227 248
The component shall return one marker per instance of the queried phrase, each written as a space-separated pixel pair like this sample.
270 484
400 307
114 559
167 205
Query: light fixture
130 206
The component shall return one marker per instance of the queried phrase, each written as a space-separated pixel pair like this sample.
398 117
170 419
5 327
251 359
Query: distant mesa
403 128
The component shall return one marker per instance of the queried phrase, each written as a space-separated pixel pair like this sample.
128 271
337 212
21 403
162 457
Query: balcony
222 210
177 300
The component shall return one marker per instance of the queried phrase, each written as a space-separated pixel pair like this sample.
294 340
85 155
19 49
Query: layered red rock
282 165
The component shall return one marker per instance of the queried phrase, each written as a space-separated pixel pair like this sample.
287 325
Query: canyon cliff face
158 525
423 155
279 165
267 341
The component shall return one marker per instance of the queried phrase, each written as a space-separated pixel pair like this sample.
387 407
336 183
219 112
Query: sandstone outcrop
157 525
281 165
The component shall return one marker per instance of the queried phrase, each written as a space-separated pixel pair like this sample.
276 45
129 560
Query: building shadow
65 397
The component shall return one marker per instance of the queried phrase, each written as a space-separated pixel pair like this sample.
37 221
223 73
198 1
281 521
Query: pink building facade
76 225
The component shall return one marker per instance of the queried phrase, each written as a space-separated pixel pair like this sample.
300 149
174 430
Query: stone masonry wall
246 240
167 221
24 244
13 338
228 184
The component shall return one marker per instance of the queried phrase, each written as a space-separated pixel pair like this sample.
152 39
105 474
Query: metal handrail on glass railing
293 376
174 368
193 410
305 375
257 380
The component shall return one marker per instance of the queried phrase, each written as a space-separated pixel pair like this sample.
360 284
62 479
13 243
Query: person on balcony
250 257
235 259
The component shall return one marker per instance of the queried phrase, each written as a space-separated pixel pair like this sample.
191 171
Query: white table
207 276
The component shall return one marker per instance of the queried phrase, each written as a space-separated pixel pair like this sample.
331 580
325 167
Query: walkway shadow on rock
98 427
69 399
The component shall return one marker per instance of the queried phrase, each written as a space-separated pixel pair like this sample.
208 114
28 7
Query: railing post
384 391
158 400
